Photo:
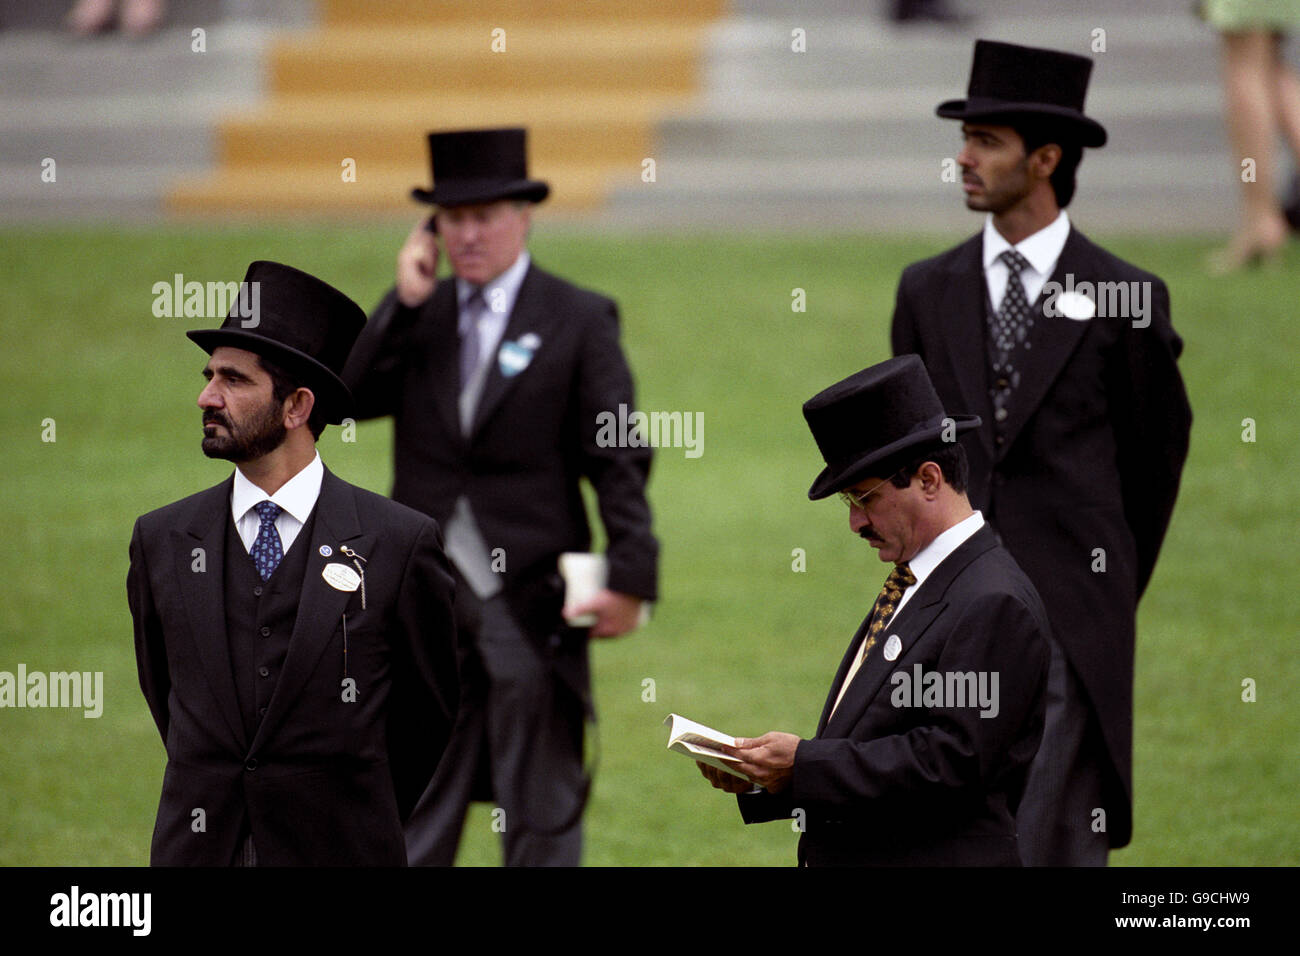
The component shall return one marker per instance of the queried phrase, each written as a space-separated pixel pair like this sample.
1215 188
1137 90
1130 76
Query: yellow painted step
535 56
319 188
292 129
414 12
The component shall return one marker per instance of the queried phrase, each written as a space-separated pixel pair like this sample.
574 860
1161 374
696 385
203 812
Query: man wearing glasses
924 743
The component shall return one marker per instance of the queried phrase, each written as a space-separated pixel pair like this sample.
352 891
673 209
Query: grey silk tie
469 338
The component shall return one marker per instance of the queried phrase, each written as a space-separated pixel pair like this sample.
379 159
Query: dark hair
1036 133
949 456
284 383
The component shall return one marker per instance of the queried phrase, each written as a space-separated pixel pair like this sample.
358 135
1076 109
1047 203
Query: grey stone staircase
121 118
845 135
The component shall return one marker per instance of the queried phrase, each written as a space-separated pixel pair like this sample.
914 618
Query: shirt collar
507 282
297 496
934 553
1042 249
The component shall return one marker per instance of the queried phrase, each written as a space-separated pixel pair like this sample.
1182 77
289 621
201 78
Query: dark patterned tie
267 551
899 580
1007 331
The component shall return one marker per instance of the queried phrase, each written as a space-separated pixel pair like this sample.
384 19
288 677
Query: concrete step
50 14
886 122
756 53
36 64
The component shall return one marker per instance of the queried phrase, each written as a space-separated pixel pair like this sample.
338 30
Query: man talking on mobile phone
496 378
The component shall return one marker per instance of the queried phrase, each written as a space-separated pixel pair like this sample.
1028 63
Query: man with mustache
294 633
496 378
1068 355
894 776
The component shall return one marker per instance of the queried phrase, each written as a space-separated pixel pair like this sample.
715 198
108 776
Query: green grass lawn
740 640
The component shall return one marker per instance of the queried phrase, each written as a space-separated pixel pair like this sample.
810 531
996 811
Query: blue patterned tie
266 551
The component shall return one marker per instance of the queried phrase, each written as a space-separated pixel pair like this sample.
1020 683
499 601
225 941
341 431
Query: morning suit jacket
1082 485
321 780
533 436
884 783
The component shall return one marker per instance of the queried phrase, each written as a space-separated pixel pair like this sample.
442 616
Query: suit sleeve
904 338
150 648
952 755
1152 420
618 474
426 682
374 368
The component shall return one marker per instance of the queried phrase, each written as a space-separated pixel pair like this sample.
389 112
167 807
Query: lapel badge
515 356
341 577
326 550
1076 305
893 647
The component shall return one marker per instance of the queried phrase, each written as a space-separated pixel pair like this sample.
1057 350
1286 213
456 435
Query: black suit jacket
886 783
1088 471
533 439
324 780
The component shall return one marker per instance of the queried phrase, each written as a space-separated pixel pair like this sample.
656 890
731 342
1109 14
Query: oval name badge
1076 305
893 647
341 577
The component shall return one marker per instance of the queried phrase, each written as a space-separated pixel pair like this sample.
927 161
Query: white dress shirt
921 566
296 498
1042 249
499 296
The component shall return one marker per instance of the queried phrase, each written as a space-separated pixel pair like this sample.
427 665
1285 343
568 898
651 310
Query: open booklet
701 743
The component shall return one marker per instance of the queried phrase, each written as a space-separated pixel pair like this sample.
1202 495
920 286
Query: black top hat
880 415
480 165
1008 81
301 323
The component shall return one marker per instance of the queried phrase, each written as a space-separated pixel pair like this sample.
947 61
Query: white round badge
1076 305
893 647
341 577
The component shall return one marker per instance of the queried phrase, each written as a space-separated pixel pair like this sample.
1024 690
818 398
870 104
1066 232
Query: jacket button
257 591
266 632
251 764
263 671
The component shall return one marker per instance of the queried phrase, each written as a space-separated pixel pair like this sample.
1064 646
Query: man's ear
297 407
1043 161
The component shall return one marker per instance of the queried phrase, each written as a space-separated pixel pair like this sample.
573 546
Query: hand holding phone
417 264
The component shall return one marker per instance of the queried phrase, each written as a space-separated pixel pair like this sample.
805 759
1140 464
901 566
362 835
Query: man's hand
615 613
723 780
767 760
417 266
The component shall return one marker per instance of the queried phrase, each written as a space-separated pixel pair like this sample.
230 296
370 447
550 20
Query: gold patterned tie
899 580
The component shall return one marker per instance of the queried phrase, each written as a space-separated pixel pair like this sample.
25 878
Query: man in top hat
1068 355
495 379
294 634
923 745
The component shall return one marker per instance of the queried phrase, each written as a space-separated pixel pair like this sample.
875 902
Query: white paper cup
584 576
